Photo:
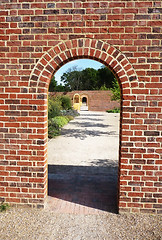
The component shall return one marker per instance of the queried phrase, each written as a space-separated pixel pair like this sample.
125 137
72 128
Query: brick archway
69 50
36 40
25 168
64 52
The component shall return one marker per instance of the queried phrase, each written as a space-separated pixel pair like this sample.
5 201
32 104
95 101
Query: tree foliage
54 87
72 79
106 77
115 90
87 79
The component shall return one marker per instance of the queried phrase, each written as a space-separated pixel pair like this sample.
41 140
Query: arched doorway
84 101
76 101
86 48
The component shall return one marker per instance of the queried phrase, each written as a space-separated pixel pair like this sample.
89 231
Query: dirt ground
32 224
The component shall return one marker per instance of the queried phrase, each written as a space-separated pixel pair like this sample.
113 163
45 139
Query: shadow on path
91 119
82 134
89 124
90 186
93 115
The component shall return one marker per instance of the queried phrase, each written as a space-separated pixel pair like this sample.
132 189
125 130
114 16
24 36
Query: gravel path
91 139
30 224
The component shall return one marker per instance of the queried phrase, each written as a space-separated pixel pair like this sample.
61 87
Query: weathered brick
50 5
157 48
26 25
26 49
151 133
4 49
38 30
51 11
154 10
39 18
142 16
13 19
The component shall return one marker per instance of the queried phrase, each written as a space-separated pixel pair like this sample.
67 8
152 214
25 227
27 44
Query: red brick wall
37 38
97 100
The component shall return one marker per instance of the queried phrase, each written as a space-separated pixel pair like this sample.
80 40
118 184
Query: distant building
93 100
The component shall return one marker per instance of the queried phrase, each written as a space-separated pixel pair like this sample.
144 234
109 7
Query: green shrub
53 129
4 207
60 121
57 104
115 91
115 110
70 112
60 112
54 107
53 132
55 124
70 117
66 102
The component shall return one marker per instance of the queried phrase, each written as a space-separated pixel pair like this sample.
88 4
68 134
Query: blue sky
80 64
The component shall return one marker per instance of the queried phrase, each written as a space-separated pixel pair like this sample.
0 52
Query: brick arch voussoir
69 50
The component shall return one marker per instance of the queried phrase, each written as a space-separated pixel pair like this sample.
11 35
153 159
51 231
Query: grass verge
115 110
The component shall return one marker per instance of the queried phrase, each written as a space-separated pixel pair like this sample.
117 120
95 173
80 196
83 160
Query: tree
75 79
72 79
103 87
105 77
52 85
60 88
89 79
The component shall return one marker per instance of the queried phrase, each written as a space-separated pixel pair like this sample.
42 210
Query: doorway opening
83 163
76 98
84 101
76 102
